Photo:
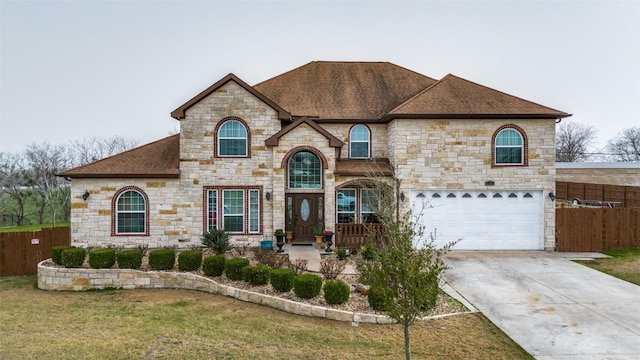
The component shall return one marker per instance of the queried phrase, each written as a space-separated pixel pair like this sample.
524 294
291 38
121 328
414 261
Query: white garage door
483 220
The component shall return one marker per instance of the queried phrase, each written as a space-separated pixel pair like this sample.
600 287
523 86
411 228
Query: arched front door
305 205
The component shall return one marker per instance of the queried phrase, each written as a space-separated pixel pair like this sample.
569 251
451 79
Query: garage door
483 220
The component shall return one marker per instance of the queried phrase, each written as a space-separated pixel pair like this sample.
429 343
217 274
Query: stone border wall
81 279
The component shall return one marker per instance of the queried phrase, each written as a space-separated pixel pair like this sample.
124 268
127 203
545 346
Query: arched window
509 147
130 213
359 142
232 139
305 171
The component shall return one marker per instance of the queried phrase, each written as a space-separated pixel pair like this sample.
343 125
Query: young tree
407 263
626 145
573 141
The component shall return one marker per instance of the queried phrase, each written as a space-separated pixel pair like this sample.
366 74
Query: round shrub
307 286
256 275
336 292
233 268
190 260
129 259
378 297
56 253
72 257
213 265
282 279
162 259
102 258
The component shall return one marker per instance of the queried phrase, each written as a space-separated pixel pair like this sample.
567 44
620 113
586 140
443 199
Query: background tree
573 141
407 263
94 148
15 184
625 146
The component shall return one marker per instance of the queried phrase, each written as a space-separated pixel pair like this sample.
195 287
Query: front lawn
624 264
32 227
170 324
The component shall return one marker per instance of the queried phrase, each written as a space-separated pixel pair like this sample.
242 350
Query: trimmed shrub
162 259
233 268
129 259
72 257
213 265
342 254
336 292
256 275
378 297
102 258
282 279
56 253
307 286
190 260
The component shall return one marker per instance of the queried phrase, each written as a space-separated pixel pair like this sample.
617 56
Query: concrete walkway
552 307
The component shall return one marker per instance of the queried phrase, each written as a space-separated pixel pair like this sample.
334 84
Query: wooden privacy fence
627 196
597 229
354 236
20 252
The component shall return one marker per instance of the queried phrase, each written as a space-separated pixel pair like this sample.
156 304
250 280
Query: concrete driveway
551 306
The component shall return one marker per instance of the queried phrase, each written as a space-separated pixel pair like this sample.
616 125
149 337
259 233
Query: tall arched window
509 147
305 171
130 213
232 139
359 142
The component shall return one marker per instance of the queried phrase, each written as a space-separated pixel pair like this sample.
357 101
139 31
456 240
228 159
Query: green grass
624 264
183 324
32 227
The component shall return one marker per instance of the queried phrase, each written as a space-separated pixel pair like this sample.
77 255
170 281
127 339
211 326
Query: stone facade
427 154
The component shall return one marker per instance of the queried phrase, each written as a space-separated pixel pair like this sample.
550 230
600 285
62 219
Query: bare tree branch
625 146
573 141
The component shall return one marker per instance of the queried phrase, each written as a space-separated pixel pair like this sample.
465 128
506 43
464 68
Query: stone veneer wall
456 154
79 279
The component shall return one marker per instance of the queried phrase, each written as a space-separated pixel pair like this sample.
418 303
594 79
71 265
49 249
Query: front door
308 212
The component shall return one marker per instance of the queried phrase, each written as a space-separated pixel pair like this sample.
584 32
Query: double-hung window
234 210
509 147
232 139
130 213
359 142
356 205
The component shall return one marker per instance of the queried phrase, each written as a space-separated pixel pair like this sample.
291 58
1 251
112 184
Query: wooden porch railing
354 236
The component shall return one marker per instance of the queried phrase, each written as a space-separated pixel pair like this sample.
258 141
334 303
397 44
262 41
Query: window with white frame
234 210
354 205
359 142
131 213
509 147
232 139
305 171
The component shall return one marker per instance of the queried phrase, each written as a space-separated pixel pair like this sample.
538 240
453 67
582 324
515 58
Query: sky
75 69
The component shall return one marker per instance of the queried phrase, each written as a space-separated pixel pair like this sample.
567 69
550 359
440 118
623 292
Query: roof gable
275 139
179 113
344 90
159 159
456 97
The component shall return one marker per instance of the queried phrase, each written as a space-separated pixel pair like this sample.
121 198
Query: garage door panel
483 220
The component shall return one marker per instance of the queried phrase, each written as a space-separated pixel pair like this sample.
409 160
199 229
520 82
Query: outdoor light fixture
85 196
552 196
268 195
402 196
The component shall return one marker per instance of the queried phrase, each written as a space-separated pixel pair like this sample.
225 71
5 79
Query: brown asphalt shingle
374 167
343 90
159 159
456 96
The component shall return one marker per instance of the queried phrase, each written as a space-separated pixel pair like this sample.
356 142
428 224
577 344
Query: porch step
312 254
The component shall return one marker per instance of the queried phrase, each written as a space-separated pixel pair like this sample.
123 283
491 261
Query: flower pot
289 236
319 239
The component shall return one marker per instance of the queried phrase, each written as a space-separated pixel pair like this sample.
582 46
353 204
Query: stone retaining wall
81 279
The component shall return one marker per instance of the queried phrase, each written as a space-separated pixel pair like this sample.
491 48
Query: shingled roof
344 90
159 159
455 97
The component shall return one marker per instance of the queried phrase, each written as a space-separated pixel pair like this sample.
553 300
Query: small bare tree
94 148
407 263
573 141
625 146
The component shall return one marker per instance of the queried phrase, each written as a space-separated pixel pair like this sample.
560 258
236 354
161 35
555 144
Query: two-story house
293 151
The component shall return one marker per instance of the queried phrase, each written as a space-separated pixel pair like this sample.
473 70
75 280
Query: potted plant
317 233
279 233
328 238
